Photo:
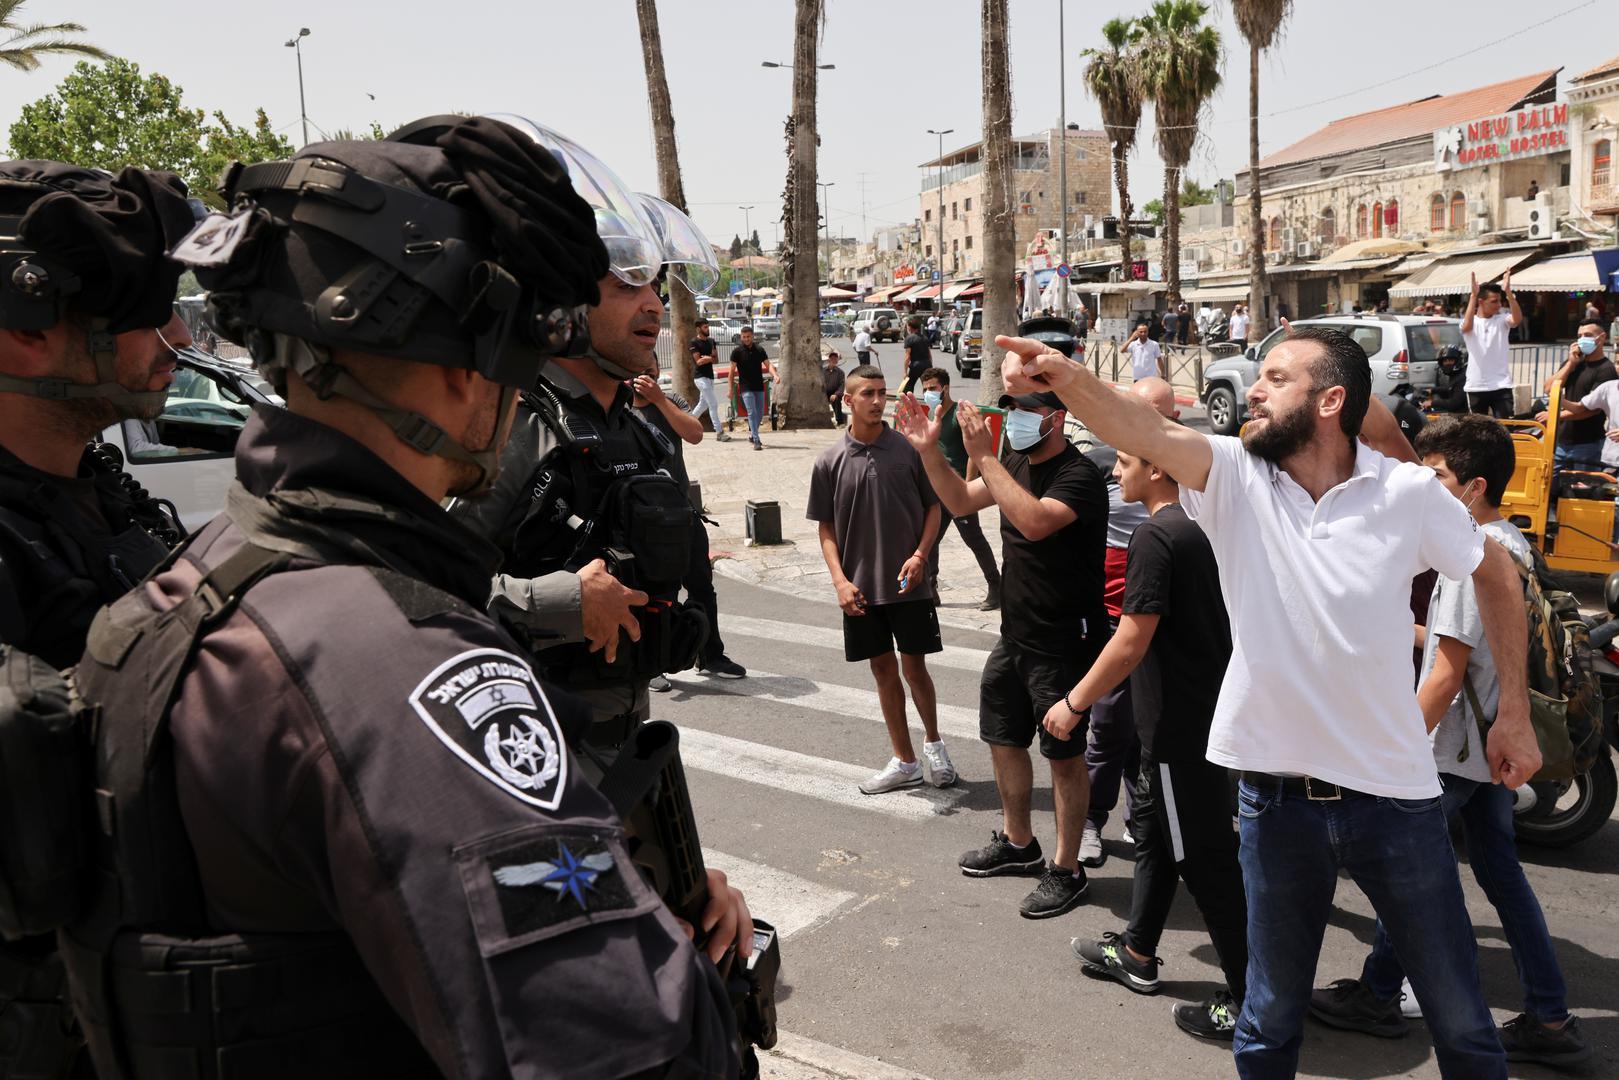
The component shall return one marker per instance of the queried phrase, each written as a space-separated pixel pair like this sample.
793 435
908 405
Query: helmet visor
687 254
632 243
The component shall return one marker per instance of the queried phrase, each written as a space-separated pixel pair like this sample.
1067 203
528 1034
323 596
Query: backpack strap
1470 698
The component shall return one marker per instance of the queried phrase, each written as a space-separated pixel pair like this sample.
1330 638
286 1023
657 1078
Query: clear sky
902 68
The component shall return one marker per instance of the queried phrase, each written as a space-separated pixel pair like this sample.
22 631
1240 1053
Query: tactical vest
160 994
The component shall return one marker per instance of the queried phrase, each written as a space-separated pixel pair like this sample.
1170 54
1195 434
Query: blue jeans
1492 851
1577 456
754 402
1398 852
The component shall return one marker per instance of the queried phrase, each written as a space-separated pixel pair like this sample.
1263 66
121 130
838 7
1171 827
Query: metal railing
1182 364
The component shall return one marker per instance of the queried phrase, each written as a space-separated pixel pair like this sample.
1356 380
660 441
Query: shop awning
1328 267
1451 276
954 289
886 293
1217 294
972 291
920 292
830 293
1566 273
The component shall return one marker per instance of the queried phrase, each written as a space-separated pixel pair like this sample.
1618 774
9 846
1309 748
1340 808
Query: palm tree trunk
1172 234
800 383
1000 227
1121 180
1256 219
682 307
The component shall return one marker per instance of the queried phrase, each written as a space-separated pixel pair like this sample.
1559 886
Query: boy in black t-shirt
1173 642
918 358
703 354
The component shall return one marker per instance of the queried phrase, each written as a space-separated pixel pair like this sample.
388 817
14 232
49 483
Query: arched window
1391 215
1377 219
1602 163
1458 212
1273 241
1326 227
1360 222
1436 213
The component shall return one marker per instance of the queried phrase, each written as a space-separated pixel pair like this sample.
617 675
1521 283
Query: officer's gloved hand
604 609
726 920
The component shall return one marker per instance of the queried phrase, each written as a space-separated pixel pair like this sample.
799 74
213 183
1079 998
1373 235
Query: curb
795 1057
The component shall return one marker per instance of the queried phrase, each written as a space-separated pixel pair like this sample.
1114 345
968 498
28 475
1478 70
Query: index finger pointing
1028 348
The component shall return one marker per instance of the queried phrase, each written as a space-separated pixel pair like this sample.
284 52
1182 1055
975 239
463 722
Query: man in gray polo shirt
879 519
1317 537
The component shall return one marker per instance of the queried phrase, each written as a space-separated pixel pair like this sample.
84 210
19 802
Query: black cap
1032 401
1056 332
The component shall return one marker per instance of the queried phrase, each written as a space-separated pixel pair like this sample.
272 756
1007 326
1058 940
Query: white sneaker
936 765
895 775
1408 1002
1090 847
1129 837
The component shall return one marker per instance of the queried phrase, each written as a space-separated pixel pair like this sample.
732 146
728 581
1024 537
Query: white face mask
932 398
1023 429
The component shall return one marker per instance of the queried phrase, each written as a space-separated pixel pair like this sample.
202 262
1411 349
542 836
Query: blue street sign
736 287
1063 270
935 275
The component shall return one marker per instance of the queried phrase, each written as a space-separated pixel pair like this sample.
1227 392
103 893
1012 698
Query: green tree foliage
1192 194
110 116
736 247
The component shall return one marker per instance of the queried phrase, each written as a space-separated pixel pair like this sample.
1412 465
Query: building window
1377 219
955 245
1602 163
1392 216
952 211
1436 214
927 214
1274 240
927 252
1458 212
969 244
1079 198
1360 222
966 206
1326 228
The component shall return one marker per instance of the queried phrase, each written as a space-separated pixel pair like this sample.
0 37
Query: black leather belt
1307 787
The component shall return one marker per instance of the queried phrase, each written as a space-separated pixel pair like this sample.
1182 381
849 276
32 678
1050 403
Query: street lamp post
940 257
1062 146
747 252
789 67
295 43
826 208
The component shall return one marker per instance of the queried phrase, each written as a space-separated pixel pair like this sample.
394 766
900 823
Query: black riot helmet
467 248
1055 332
1451 358
92 244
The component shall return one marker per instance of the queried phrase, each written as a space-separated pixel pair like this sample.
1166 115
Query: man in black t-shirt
749 364
1580 431
918 357
1053 507
1173 642
703 354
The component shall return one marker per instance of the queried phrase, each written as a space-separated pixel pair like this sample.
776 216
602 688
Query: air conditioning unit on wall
1289 238
1239 247
1304 249
1542 220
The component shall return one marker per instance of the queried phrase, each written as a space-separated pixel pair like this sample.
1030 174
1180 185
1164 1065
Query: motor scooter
1561 813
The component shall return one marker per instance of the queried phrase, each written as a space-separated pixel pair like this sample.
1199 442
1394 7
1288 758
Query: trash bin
762 520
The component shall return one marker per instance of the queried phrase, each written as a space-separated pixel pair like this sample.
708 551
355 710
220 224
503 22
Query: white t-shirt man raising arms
1484 331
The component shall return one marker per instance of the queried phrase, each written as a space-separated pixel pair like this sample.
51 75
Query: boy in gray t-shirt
879 519
1473 458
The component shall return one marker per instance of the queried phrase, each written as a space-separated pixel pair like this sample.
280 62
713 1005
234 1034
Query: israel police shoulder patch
487 707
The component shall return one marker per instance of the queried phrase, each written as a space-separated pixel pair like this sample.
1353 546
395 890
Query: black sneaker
1214 1019
1109 957
723 667
659 684
1000 857
1350 1005
992 599
1526 1039
1059 890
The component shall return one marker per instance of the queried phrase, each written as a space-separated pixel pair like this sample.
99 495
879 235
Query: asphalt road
891 953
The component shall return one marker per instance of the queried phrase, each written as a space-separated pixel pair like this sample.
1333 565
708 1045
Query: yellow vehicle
1567 515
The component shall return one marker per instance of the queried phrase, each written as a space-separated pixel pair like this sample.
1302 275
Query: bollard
762 519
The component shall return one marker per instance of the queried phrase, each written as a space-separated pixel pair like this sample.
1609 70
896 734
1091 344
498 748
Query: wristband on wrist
1070 704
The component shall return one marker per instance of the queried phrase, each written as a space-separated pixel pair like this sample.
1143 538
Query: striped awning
1452 277
1217 294
1565 273
956 288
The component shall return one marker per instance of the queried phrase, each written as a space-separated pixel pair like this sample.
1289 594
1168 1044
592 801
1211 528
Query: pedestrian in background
863 352
703 353
1239 326
1484 331
832 380
1581 443
917 356
1053 507
935 383
749 365
878 520
1172 324
1172 645
1459 695
1145 354
1183 323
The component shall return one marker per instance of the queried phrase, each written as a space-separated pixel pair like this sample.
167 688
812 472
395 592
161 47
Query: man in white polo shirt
1318 537
1484 330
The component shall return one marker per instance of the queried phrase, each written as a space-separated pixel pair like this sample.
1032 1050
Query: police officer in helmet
348 838
586 477
84 289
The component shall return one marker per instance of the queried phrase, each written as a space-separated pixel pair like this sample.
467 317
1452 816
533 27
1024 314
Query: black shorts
1017 690
910 627
1491 402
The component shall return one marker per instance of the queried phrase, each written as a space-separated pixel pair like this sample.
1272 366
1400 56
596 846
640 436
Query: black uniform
382 811
537 591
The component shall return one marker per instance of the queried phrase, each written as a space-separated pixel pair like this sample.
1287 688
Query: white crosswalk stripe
953 656
803 693
801 774
789 902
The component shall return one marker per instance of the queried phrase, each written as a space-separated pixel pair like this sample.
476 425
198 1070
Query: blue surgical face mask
1023 429
933 398
1588 345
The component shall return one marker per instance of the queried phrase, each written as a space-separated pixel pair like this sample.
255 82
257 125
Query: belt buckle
1309 791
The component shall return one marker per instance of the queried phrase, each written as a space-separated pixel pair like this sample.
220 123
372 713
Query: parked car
1403 350
767 327
882 323
970 344
950 333
725 331
187 455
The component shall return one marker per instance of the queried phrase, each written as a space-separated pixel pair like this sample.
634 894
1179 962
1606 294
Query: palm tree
682 306
25 43
1180 63
805 406
1260 21
1000 227
1113 77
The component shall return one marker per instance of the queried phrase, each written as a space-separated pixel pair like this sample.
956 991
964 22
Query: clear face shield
633 245
687 254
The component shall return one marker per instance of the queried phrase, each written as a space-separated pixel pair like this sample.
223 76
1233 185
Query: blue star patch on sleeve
553 879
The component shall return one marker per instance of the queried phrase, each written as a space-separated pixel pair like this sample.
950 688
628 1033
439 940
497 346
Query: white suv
882 323
1403 351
